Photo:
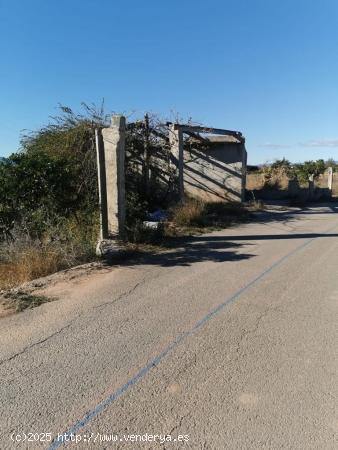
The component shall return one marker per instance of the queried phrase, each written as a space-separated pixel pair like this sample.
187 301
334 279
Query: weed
19 301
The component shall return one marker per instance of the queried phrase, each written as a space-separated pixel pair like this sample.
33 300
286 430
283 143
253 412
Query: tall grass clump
198 213
25 257
189 213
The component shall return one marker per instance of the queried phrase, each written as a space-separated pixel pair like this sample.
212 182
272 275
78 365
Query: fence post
176 149
113 225
146 161
311 187
244 172
330 178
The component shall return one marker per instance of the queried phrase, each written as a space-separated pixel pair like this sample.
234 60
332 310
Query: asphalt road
229 342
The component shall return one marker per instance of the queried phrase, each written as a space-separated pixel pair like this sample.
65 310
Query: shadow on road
186 251
192 250
268 237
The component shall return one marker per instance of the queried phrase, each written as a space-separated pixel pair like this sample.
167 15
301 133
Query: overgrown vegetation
299 171
49 218
300 182
48 192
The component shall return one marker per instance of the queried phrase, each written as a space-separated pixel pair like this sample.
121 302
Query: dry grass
194 213
189 213
28 264
256 205
21 263
26 259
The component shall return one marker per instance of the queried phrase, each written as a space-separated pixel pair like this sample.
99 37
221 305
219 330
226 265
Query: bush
49 216
278 173
52 178
308 168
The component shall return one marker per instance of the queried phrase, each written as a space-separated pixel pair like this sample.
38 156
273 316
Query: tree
281 164
331 162
310 168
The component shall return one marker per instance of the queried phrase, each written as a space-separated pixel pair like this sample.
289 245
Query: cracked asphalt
229 340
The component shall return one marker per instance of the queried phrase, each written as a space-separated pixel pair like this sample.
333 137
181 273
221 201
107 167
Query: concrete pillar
101 175
114 157
177 156
244 171
329 178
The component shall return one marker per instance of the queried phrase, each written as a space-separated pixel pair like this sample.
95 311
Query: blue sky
267 68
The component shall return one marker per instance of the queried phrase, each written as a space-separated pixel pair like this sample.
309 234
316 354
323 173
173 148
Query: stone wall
281 187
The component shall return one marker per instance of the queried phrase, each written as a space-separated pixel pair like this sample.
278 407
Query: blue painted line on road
154 362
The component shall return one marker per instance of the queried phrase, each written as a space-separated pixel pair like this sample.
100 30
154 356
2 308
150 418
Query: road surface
229 342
